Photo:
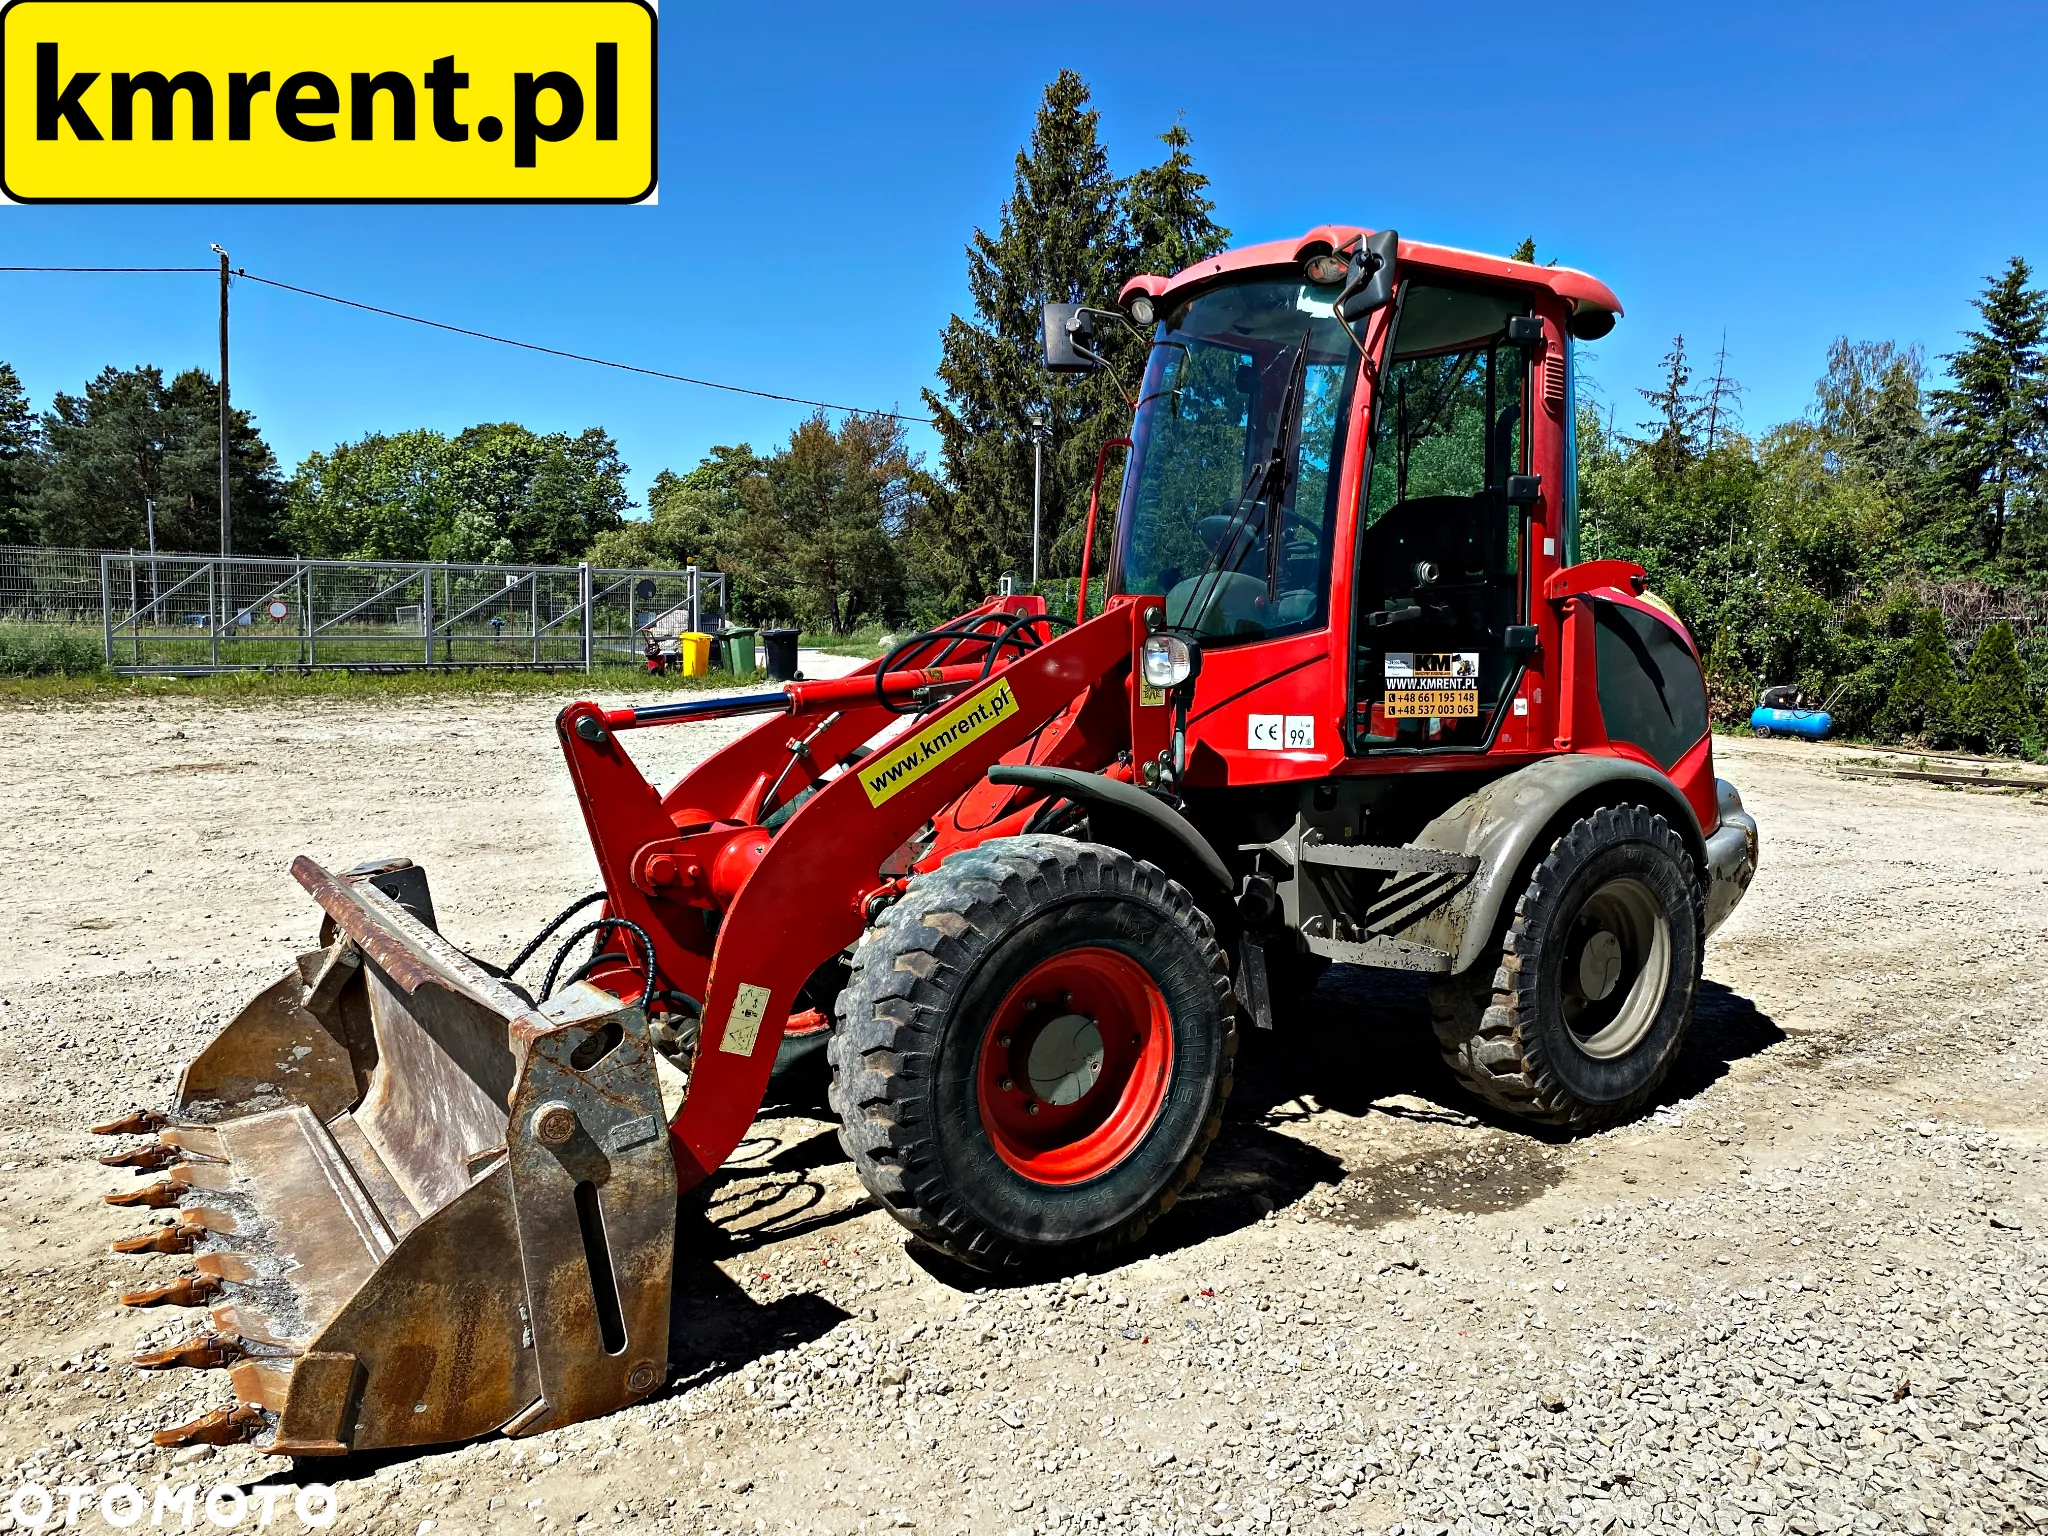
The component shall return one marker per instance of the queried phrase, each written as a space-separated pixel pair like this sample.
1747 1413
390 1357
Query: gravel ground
1806 1294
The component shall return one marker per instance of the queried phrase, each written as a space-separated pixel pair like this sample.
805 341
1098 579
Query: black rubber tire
910 1025
1502 1026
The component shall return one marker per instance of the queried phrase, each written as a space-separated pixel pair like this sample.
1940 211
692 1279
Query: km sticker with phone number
1439 684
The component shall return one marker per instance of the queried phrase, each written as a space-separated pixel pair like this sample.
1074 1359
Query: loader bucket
422 1208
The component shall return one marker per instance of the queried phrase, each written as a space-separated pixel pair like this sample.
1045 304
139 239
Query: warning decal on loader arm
900 767
743 1024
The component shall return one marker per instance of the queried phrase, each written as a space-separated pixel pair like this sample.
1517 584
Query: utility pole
227 527
1037 420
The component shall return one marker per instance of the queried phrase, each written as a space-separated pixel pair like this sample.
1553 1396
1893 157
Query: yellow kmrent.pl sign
894 771
440 101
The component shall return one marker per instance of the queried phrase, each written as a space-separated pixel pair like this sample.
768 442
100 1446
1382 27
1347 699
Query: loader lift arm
741 917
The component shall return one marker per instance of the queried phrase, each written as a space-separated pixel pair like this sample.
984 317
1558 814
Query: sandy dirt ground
1805 1294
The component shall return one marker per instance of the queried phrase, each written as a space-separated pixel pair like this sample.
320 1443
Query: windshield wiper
1282 462
1267 483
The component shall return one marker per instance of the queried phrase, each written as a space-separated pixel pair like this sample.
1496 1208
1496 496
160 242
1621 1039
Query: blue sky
1785 173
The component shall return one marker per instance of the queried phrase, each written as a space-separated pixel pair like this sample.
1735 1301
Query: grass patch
260 687
49 650
865 642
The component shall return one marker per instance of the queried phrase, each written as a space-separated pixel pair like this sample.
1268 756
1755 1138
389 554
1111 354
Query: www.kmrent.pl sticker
445 101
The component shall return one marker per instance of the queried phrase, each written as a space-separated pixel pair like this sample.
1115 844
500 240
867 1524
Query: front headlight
1168 660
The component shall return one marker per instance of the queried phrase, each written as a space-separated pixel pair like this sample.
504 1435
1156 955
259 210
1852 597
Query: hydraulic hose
603 925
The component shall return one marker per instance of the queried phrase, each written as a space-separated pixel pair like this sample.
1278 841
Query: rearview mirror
1370 284
1070 339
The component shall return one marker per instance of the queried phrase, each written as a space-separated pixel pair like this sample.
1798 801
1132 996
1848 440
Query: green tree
378 498
838 502
1070 231
1169 213
1869 411
131 439
699 518
496 493
1992 713
1996 411
814 532
1924 697
1673 432
19 461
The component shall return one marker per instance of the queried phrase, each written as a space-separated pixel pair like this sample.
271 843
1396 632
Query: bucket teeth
223 1426
136 1123
163 1192
207 1352
185 1291
162 1240
144 1159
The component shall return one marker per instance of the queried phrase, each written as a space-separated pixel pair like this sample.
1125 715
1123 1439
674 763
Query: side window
1651 693
1440 554
1449 423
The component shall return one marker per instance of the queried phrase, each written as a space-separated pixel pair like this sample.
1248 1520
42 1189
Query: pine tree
1996 414
1674 440
1169 217
1992 713
1070 231
131 439
1526 251
1923 697
19 441
1722 402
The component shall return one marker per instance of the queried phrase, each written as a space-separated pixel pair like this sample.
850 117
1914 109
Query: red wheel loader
1346 695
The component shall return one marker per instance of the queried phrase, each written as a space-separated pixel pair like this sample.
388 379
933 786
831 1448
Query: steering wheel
1212 529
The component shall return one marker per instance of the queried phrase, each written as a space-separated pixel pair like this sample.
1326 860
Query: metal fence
198 613
49 586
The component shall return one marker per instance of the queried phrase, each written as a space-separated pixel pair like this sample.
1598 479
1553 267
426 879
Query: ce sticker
1278 733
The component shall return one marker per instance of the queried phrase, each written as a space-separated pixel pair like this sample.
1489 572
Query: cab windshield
1230 497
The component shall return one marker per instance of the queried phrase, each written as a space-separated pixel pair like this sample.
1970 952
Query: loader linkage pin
224 1426
185 1291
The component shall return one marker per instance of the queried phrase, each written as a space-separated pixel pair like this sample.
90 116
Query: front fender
1183 852
1511 822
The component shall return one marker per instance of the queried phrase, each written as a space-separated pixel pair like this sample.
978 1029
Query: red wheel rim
1073 1066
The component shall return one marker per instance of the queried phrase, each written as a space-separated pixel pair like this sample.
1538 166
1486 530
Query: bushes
1924 695
1992 710
1988 710
48 650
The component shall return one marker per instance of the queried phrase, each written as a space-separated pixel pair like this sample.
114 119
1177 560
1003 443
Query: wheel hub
1617 968
1065 1061
1599 965
1074 1065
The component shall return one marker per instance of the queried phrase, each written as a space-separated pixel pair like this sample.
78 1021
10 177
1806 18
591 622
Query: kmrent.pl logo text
318 100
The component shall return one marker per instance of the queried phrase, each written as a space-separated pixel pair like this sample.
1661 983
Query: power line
580 357
106 269
508 341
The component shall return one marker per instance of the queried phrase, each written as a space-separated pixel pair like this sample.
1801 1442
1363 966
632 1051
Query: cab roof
1578 289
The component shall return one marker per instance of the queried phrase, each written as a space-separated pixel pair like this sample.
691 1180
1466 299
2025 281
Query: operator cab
1337 484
